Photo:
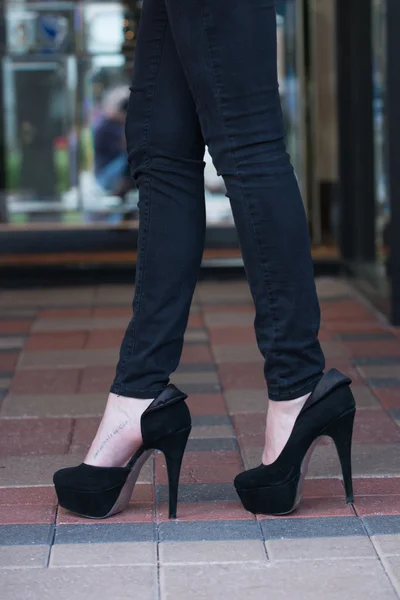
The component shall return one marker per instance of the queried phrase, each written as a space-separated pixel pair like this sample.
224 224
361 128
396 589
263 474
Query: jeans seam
266 273
135 390
146 221
297 389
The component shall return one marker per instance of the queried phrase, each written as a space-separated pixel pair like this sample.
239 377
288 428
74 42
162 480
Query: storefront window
66 74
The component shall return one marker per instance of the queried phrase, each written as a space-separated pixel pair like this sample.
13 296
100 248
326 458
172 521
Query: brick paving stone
375 427
320 488
105 338
229 319
63 313
96 379
369 460
15 327
203 467
209 404
246 401
196 354
240 336
389 398
63 376
378 505
46 381
333 349
135 513
375 348
211 432
206 511
53 405
79 324
242 376
8 360
20 437
104 357
381 372
34 470
73 340
237 354
320 507
27 495
377 486
18 514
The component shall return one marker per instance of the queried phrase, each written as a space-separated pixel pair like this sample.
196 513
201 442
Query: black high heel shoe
99 492
276 489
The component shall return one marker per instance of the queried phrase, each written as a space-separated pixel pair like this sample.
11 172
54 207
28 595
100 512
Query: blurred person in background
111 162
205 73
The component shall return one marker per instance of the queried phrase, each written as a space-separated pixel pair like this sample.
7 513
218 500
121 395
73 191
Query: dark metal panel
356 136
393 133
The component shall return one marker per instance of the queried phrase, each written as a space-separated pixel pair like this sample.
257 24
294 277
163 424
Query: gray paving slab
382 525
89 583
200 492
316 548
316 527
212 432
237 354
197 531
384 382
331 579
375 360
246 401
392 566
212 445
197 388
237 551
93 533
364 397
387 545
26 535
12 342
23 556
107 554
210 420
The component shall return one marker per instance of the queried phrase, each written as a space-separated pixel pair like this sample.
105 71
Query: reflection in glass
379 112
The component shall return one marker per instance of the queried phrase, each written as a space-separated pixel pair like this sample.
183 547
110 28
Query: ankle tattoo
110 436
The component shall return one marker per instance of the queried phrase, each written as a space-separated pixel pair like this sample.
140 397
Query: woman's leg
166 151
228 49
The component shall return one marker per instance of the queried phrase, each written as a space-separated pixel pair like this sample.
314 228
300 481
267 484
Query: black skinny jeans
206 73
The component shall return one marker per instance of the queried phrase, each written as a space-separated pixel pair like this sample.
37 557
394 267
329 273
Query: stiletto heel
341 432
174 449
99 492
276 489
